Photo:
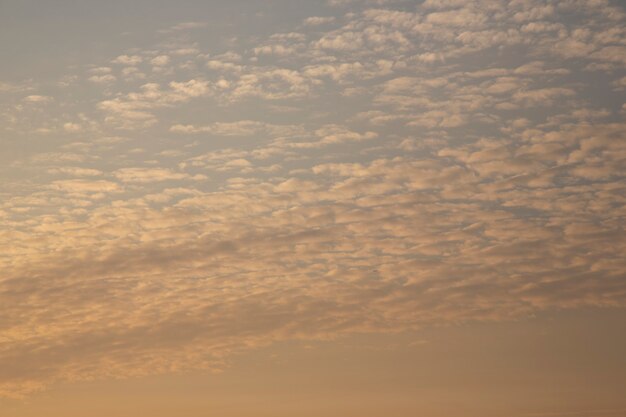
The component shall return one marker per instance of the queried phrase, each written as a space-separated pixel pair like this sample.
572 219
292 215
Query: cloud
84 186
389 169
107 78
146 175
37 99
76 171
543 96
183 27
160 60
72 127
239 128
128 60
318 20
100 70
135 109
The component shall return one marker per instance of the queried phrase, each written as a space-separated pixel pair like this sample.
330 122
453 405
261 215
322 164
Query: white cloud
135 109
160 60
146 175
72 127
318 20
108 78
128 60
38 99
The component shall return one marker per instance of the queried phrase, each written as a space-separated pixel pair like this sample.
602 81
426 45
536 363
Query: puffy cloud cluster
387 169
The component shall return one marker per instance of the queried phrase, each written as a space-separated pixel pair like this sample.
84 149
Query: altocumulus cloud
443 162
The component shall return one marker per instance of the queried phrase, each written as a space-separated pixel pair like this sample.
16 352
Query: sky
312 208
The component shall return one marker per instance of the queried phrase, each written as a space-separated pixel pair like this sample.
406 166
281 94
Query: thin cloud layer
380 169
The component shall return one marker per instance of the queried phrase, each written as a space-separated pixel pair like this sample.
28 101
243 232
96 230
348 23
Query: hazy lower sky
290 208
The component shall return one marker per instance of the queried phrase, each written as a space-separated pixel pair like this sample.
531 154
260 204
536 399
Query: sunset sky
312 208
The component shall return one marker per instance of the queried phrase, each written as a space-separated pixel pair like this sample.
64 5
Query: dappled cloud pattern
382 167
